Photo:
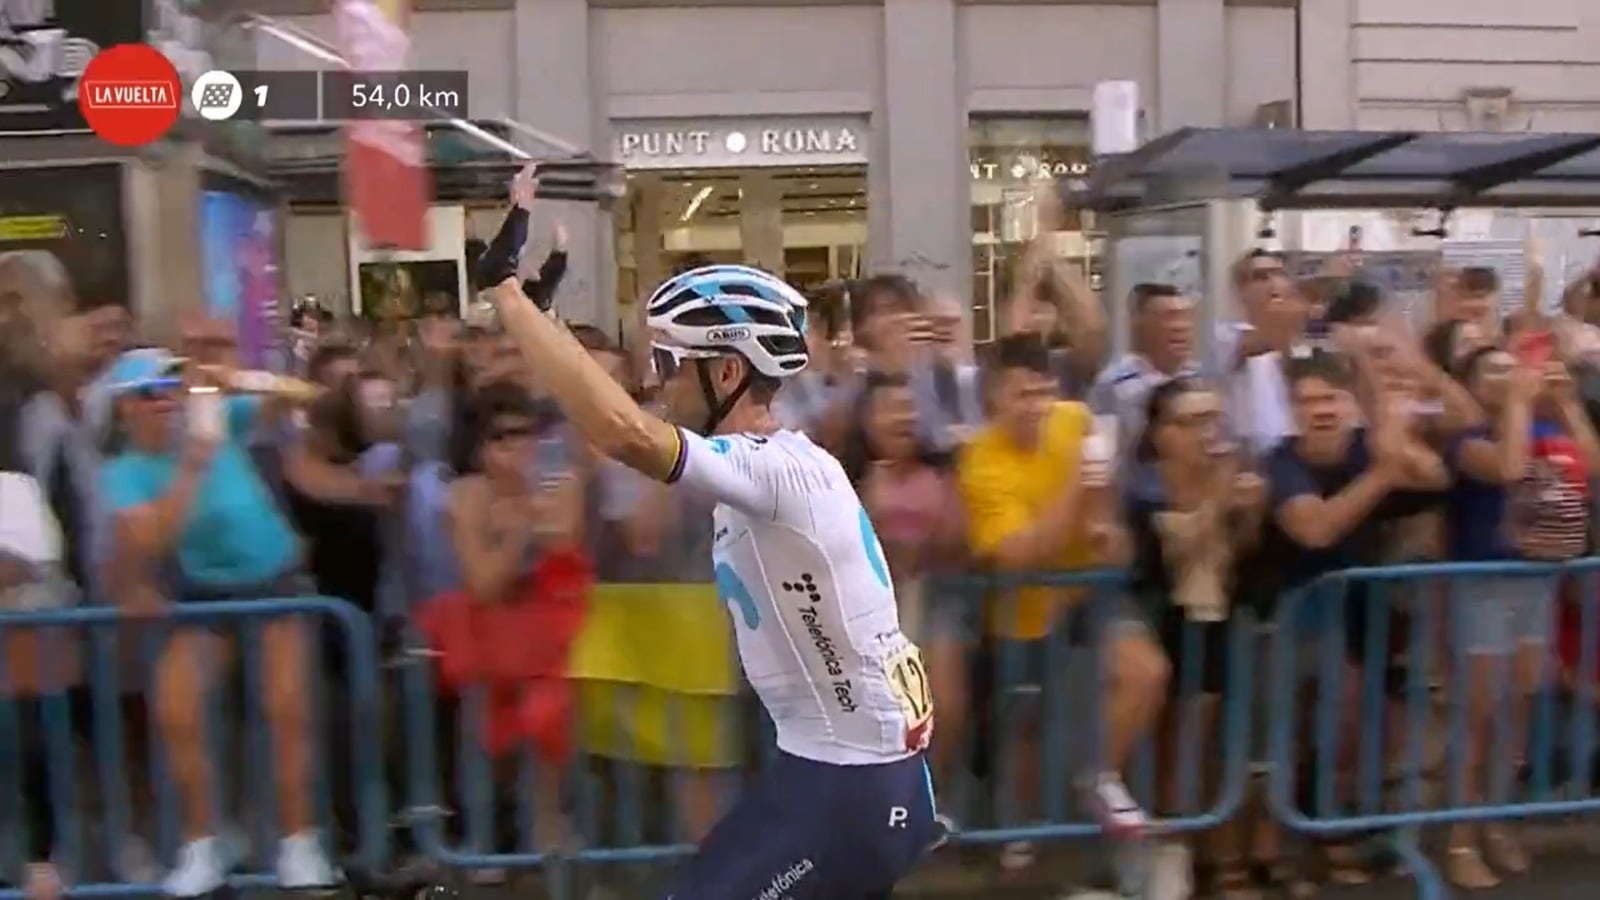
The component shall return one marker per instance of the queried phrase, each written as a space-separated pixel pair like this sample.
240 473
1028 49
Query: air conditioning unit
1277 114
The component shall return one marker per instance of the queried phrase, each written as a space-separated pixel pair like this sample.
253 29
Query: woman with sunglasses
192 521
1192 510
516 505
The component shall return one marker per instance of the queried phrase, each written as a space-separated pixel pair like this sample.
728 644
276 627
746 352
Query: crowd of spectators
423 479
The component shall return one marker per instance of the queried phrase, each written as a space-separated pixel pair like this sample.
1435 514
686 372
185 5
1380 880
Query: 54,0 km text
394 95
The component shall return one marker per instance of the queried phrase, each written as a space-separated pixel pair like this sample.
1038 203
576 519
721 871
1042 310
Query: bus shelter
1184 206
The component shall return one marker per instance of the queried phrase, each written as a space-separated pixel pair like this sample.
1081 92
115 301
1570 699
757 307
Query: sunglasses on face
511 433
156 390
666 361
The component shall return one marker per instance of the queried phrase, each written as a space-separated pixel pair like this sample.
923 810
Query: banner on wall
386 179
239 247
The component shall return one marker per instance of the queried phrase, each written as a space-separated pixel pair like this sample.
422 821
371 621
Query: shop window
1008 159
74 212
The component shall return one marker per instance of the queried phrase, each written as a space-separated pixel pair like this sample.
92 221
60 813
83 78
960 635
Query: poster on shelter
239 252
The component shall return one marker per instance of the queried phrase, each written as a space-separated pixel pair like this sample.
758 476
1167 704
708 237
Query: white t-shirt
813 606
30 543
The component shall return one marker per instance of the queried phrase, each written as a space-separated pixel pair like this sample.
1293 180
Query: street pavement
1566 867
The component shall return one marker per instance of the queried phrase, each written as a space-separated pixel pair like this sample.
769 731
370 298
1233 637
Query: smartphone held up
203 412
1099 451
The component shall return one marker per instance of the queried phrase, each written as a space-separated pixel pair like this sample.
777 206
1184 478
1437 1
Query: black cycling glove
499 260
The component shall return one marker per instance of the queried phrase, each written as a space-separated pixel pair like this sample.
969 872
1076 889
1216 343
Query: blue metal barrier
460 822
1044 699
1390 629
1070 735
1063 722
102 648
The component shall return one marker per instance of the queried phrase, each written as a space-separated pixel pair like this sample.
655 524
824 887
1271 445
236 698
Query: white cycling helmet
715 310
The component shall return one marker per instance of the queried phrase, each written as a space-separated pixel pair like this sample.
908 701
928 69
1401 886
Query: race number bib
908 679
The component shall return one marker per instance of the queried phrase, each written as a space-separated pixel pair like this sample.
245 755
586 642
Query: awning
306 161
470 160
1289 169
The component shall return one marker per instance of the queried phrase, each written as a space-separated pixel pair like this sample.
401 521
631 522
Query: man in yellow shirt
1038 503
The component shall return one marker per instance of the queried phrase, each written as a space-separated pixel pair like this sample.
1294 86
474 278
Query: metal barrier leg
1430 884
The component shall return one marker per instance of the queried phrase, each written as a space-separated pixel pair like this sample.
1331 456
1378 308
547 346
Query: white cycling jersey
804 577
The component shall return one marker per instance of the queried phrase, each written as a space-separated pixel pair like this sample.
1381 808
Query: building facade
826 139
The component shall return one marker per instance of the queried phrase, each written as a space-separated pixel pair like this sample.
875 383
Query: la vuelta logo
35 50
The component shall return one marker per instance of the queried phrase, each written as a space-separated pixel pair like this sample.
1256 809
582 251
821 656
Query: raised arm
614 424
597 406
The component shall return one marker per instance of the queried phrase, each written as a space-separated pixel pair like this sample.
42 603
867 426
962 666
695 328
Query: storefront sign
729 143
33 228
1025 167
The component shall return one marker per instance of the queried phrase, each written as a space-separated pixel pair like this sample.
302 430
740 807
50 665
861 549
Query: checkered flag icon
216 96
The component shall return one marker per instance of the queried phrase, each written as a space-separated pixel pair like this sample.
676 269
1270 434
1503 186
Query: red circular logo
130 95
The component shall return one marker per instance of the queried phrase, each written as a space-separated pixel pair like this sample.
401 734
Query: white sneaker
202 868
1171 873
1116 809
302 863
1016 856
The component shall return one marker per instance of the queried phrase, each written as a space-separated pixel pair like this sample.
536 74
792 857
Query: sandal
1466 870
1016 856
43 882
1235 881
1344 865
1279 875
1504 852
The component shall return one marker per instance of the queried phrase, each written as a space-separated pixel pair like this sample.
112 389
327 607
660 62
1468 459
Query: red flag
386 180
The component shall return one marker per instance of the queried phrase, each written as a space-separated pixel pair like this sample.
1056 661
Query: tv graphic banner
386 180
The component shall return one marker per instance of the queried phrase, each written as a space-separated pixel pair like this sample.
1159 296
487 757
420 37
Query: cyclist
847 807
